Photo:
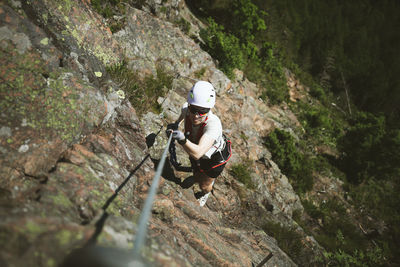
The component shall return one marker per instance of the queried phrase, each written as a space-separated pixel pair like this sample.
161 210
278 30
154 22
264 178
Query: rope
145 215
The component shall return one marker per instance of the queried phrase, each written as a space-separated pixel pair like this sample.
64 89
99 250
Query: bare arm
197 151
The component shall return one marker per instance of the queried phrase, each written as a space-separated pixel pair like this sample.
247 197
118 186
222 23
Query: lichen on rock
73 150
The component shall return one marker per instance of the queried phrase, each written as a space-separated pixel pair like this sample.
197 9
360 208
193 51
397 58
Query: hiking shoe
202 200
202 197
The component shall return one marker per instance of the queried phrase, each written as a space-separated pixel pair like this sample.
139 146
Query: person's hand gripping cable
176 134
179 136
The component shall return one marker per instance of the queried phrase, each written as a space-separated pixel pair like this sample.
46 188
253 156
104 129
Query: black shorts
216 164
205 165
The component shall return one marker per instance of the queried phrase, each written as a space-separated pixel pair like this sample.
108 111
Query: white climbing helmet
202 94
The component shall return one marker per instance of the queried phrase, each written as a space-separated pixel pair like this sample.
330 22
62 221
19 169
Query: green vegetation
270 75
184 25
345 244
333 217
199 74
372 257
322 124
341 51
241 172
109 9
331 39
141 92
371 149
288 239
106 8
293 164
236 40
371 152
224 47
344 52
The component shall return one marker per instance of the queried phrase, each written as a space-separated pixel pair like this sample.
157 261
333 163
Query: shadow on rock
183 169
168 172
150 139
188 182
95 256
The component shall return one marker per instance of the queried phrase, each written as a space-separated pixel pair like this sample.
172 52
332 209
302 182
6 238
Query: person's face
198 114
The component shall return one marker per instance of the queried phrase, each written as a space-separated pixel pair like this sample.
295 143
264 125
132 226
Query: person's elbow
204 145
197 155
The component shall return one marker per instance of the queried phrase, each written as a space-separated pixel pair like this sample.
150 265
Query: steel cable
146 211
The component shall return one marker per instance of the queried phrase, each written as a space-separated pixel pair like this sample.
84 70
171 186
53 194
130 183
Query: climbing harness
219 158
224 155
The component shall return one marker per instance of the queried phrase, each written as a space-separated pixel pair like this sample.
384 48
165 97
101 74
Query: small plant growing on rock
110 10
141 92
372 257
199 73
241 172
288 239
184 25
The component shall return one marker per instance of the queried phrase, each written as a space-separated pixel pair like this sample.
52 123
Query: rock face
74 163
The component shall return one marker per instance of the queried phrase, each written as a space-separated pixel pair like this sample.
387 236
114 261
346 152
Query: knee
205 187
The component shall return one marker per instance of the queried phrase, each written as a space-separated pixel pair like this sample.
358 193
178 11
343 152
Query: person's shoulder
184 108
212 116
213 119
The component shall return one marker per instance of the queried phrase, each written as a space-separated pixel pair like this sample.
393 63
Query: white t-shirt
213 129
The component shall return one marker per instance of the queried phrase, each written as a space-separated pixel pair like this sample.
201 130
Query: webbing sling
173 159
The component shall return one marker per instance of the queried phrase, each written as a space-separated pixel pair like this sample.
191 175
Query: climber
203 140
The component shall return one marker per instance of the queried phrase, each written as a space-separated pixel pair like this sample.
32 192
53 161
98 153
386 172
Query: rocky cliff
74 162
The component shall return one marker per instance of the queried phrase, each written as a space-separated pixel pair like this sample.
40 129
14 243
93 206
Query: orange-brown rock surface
74 165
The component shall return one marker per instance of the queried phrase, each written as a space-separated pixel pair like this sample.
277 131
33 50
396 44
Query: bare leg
205 182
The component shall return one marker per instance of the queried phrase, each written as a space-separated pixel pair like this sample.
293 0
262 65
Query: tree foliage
223 46
361 36
335 47
371 149
247 20
293 164
235 36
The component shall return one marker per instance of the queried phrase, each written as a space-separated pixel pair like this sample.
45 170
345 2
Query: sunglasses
198 111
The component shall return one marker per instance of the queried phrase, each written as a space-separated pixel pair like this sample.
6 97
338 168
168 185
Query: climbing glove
178 135
170 128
